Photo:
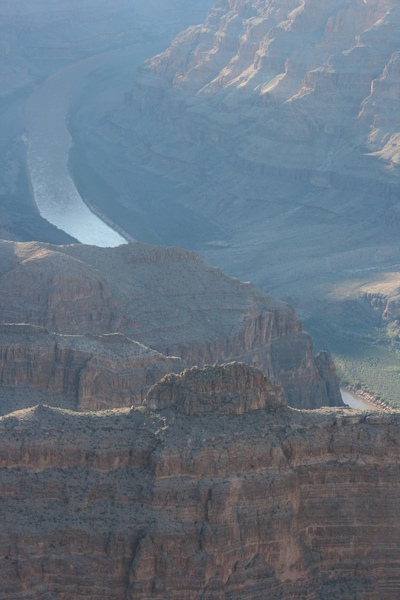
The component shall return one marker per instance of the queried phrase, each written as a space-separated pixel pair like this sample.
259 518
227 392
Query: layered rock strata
168 300
232 388
298 74
260 501
92 372
281 118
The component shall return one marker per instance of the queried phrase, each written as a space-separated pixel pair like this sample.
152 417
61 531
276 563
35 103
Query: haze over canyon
265 139
179 180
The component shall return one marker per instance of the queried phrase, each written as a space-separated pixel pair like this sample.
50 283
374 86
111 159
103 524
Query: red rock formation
158 504
166 299
91 372
232 388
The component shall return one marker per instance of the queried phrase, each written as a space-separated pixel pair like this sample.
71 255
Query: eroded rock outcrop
90 372
269 503
166 299
232 388
309 69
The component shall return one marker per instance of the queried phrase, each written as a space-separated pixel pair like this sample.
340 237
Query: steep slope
245 498
302 74
168 300
281 119
78 372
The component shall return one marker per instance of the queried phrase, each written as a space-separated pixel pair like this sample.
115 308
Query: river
355 401
48 144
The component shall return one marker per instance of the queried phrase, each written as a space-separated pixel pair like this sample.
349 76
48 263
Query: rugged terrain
282 114
38 39
76 371
215 489
166 299
278 124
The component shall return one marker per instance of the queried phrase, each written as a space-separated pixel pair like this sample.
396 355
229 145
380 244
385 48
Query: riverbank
362 400
370 399
48 145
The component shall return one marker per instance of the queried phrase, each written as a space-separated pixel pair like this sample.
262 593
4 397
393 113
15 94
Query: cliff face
309 69
259 501
281 118
383 297
232 388
91 372
166 299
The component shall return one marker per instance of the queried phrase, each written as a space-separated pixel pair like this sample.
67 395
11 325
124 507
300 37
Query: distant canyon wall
281 119
293 80
92 372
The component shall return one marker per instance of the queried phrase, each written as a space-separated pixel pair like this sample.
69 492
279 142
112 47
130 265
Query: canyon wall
91 372
281 119
226 494
164 298
294 80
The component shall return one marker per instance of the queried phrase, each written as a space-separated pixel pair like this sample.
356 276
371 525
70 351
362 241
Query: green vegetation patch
367 355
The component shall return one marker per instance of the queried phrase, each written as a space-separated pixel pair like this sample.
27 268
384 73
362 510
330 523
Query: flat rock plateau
213 489
104 324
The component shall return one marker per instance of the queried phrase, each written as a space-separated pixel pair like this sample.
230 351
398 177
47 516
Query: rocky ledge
160 504
77 371
167 299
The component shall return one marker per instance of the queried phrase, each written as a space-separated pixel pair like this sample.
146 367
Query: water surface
355 401
48 144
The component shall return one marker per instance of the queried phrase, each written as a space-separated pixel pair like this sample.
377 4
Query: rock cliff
281 119
81 372
166 299
308 69
232 388
265 501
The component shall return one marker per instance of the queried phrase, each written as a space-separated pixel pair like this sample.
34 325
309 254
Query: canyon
40 41
168 431
278 123
214 488
76 372
287 112
263 138
159 303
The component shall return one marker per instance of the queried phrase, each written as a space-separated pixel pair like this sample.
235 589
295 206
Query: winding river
48 143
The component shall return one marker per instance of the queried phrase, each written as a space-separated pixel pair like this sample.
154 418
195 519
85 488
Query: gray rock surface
282 120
